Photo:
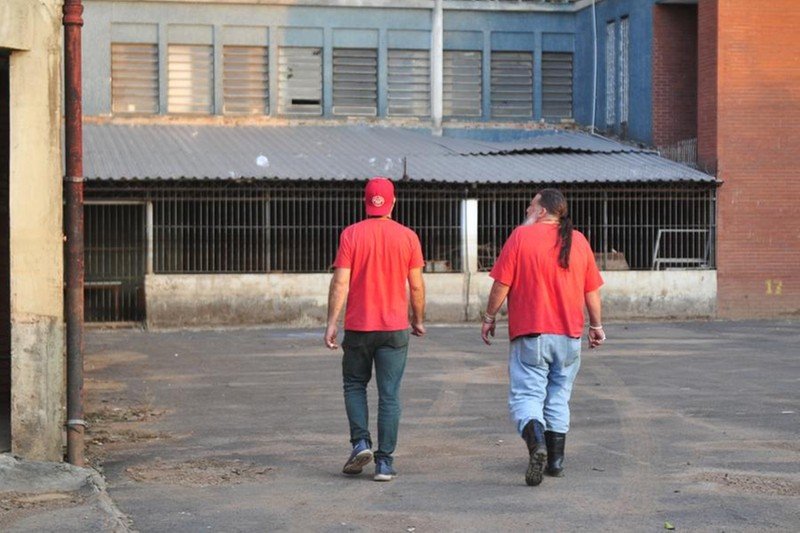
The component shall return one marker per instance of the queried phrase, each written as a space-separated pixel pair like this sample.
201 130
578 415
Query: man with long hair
376 260
548 273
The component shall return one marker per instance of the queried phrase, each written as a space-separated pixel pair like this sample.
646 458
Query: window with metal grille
190 87
355 81
611 73
134 78
245 80
300 81
512 85
462 77
624 72
409 92
557 84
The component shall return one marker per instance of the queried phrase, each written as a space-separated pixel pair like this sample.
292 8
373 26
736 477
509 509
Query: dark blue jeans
388 350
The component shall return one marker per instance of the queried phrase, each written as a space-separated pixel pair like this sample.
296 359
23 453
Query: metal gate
115 256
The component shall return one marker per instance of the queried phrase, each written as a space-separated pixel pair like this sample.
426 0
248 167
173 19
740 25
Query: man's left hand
487 329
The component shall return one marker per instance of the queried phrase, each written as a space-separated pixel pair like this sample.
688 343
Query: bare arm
497 296
337 295
416 286
593 306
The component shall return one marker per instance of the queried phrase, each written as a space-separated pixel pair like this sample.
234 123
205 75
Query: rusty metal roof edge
126 179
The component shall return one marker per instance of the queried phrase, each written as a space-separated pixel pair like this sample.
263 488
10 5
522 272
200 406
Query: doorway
5 280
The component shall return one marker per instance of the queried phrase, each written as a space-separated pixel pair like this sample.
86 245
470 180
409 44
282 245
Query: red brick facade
757 149
674 73
707 86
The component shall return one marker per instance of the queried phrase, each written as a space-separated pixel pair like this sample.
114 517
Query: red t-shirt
545 298
379 253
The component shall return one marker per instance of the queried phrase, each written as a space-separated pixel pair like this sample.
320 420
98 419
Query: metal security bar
242 226
611 73
629 228
115 254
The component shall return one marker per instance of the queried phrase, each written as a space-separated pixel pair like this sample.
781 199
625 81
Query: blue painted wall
640 14
538 32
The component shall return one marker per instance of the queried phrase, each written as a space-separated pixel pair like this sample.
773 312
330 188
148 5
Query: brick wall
758 152
707 85
674 73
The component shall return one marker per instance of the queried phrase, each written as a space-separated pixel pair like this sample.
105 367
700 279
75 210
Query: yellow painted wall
32 29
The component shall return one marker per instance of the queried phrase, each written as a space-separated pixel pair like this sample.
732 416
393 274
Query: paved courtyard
694 424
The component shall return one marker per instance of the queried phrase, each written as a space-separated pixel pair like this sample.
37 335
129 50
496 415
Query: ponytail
565 239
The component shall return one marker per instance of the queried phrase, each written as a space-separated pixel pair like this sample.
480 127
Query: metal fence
114 241
199 227
629 228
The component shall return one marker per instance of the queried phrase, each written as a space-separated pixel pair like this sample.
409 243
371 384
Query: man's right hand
596 337
418 329
330 337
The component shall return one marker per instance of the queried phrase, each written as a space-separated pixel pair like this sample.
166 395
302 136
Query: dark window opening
5 281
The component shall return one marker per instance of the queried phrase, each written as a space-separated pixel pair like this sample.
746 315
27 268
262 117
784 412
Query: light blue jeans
541 371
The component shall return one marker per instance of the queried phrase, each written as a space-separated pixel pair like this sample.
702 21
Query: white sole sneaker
356 464
383 477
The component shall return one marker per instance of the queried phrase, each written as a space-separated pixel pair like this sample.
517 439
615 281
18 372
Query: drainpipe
73 221
437 66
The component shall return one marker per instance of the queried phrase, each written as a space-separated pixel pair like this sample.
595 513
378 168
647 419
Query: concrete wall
32 30
301 299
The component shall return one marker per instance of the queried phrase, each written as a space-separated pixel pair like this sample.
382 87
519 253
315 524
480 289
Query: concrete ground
691 425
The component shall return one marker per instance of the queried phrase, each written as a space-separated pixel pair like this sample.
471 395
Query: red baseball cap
379 197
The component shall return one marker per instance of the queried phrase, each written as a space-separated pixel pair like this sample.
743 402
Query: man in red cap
376 258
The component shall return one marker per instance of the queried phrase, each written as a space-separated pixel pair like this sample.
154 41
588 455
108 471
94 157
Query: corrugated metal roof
146 152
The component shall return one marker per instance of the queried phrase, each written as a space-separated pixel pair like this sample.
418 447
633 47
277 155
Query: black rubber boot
555 453
533 433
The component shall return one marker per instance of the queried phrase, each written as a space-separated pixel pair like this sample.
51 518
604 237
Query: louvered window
512 85
557 84
245 80
463 73
191 79
409 83
355 81
300 81
624 75
611 73
134 78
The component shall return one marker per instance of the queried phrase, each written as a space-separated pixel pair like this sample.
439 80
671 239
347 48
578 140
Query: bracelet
596 327
489 319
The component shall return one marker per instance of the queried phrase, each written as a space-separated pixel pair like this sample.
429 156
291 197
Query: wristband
489 319
596 327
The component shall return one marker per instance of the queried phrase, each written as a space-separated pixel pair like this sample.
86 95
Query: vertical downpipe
437 68
73 221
